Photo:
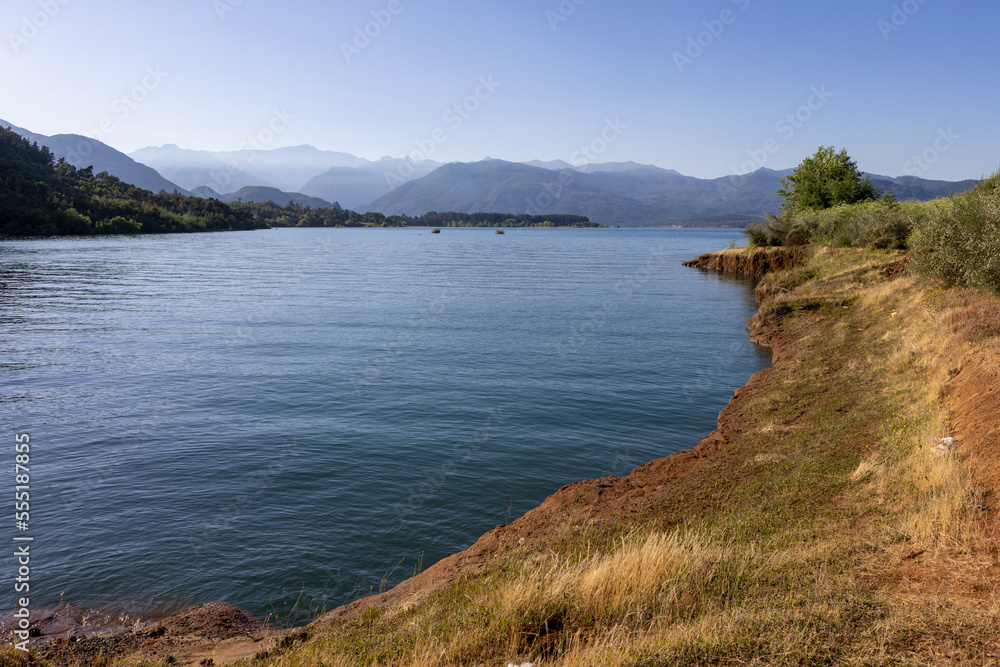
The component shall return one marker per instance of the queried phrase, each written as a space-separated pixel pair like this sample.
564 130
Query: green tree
825 180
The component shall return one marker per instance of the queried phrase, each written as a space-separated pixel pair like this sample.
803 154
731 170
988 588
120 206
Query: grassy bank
831 530
823 523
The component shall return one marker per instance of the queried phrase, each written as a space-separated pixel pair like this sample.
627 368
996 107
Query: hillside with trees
42 196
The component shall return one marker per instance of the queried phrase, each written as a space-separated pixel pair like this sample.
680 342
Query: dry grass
844 538
812 561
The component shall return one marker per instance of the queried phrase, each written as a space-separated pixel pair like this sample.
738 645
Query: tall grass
656 576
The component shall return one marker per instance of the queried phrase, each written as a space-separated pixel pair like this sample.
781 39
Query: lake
224 416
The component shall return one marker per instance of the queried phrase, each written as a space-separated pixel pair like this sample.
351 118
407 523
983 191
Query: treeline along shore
42 196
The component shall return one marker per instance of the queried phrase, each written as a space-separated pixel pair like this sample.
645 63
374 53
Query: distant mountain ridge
330 175
614 193
353 187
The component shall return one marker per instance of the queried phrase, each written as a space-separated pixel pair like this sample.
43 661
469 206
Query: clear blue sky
921 83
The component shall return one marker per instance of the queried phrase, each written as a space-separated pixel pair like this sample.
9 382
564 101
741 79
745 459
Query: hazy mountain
192 169
287 169
623 193
354 187
206 192
499 186
82 152
257 193
633 196
291 168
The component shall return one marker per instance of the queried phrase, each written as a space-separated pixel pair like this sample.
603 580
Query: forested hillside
40 196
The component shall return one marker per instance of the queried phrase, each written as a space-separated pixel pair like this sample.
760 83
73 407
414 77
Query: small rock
945 441
521 541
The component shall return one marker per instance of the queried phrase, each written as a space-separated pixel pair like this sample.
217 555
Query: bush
787 230
884 224
961 245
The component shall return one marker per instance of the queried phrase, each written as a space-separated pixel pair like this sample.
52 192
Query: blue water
223 416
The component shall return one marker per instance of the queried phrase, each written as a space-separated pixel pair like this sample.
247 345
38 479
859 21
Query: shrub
961 244
884 224
787 230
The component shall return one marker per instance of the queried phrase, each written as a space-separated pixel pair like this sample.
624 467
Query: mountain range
329 175
620 193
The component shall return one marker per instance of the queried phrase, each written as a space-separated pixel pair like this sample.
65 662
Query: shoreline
766 461
598 494
600 497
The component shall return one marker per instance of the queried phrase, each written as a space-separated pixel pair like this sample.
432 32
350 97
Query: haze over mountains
623 193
